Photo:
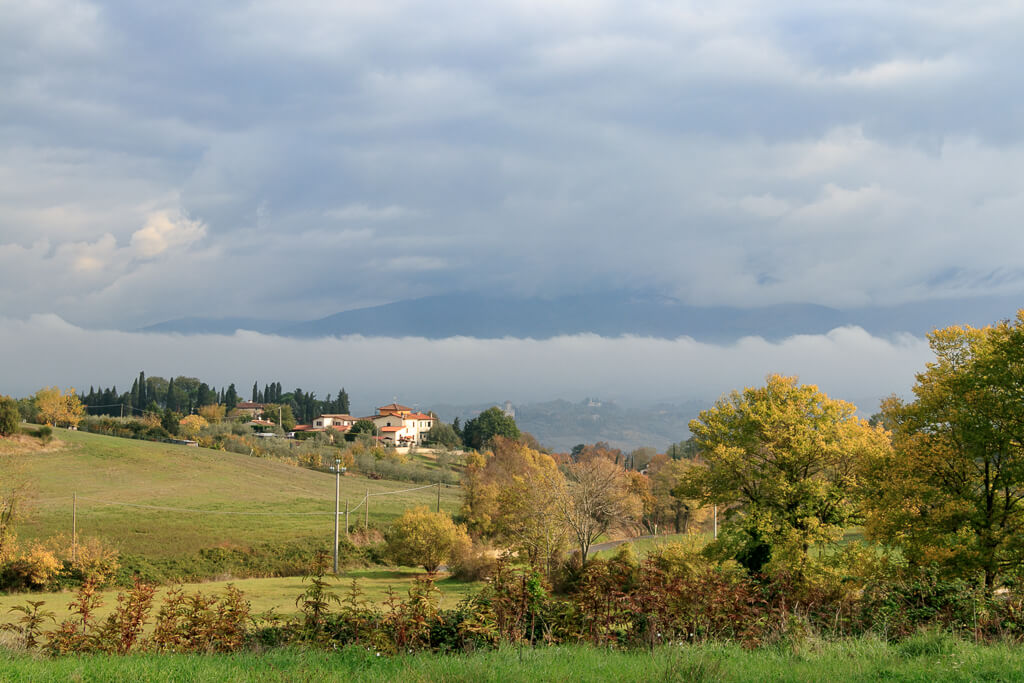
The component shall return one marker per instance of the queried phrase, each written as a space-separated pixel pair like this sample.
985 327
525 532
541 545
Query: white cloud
164 231
847 363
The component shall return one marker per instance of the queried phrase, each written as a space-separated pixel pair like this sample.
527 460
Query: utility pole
366 514
337 501
438 496
346 518
74 528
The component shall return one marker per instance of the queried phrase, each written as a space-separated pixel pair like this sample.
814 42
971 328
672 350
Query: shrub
473 562
34 570
424 538
10 417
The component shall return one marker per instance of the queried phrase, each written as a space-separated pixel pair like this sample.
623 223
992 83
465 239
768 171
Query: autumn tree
952 490
504 499
424 538
59 408
190 426
595 499
212 412
784 458
680 511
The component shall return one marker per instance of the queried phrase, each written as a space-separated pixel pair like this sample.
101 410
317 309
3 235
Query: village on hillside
393 425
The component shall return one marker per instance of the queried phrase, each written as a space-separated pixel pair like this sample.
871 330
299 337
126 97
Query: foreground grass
865 659
277 594
105 468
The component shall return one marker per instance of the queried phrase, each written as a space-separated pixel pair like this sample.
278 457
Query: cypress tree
255 392
343 406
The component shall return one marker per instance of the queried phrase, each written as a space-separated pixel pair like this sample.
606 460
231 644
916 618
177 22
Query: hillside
246 501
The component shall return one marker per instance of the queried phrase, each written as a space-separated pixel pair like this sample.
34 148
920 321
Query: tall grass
862 659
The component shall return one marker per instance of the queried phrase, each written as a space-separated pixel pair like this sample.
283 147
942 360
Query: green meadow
235 500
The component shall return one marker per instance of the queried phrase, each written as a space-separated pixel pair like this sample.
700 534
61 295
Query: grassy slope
857 660
127 471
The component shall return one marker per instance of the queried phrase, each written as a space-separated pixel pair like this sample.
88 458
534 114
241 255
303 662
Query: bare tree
595 500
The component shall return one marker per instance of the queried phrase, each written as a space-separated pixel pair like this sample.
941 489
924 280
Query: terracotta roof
420 416
344 416
391 429
249 404
302 428
260 422
341 428
393 407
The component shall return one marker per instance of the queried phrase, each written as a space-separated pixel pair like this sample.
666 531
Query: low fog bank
846 363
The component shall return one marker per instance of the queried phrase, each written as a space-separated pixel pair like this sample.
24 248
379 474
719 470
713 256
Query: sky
290 160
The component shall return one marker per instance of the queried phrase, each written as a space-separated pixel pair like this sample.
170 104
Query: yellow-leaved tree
59 408
424 538
785 460
190 426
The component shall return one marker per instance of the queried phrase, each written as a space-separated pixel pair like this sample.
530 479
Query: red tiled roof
302 428
393 407
341 428
419 416
343 416
391 429
250 404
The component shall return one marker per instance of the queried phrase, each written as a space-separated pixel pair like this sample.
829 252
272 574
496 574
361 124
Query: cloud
847 363
164 231
352 153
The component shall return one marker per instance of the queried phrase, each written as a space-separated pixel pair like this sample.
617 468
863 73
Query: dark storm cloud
291 159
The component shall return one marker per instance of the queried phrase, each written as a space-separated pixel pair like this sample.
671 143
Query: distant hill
608 314
560 425
217 325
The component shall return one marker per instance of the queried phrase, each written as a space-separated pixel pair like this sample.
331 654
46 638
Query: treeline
186 395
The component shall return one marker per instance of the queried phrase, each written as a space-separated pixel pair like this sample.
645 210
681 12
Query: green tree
10 416
442 434
952 490
784 459
424 538
169 421
365 427
280 414
231 397
488 424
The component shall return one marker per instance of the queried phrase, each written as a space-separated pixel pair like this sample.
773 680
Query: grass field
244 500
276 594
942 659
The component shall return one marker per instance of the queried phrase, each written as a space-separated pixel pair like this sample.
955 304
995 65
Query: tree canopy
952 490
784 459
424 538
488 424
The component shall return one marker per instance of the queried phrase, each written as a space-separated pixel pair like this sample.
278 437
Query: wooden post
438 496
346 518
366 514
74 528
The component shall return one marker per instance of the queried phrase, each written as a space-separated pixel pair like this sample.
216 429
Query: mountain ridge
613 314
